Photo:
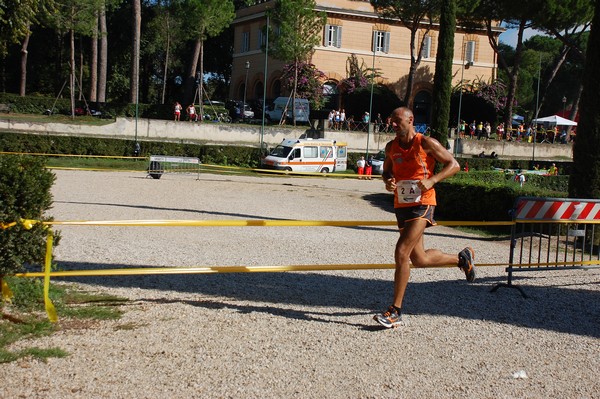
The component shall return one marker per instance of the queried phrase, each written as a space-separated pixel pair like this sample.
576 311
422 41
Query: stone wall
250 135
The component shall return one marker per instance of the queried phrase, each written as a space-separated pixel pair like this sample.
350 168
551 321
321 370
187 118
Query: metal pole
245 90
262 126
462 76
537 99
371 102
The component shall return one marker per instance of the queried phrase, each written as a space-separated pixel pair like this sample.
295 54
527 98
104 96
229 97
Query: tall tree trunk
72 73
294 93
23 82
201 81
190 80
93 97
584 181
164 88
135 52
80 80
558 62
102 62
442 81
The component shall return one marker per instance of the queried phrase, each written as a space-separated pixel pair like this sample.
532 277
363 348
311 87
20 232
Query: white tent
555 120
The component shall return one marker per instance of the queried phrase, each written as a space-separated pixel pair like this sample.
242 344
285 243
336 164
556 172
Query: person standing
369 167
191 111
360 167
408 171
177 111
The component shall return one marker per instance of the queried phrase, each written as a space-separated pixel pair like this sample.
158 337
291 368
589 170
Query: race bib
408 192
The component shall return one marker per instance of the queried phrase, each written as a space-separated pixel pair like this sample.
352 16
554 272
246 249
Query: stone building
353 28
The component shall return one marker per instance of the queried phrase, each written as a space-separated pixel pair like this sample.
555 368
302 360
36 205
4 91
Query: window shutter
374 41
338 41
427 47
326 35
470 52
386 42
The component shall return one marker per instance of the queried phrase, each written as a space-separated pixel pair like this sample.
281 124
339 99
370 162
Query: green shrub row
221 155
25 185
33 104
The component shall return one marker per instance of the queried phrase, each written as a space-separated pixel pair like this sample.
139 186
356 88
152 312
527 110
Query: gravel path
297 334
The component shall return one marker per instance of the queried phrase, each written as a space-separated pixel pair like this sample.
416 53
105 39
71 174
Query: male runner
408 172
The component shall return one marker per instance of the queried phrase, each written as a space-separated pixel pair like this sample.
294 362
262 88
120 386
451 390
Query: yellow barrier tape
70 155
50 310
256 223
7 294
223 269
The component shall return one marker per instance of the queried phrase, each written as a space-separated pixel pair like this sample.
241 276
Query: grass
98 163
25 318
57 118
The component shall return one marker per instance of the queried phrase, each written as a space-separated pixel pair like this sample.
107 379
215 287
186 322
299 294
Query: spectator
488 131
472 129
360 166
553 170
330 119
369 167
177 111
343 119
500 132
191 112
479 130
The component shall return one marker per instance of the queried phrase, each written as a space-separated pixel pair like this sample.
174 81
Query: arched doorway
332 95
422 108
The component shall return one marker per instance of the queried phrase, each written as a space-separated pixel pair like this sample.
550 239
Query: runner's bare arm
388 172
443 156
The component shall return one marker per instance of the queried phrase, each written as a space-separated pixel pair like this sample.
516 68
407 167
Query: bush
72 145
25 186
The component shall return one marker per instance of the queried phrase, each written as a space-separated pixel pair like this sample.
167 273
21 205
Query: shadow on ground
565 309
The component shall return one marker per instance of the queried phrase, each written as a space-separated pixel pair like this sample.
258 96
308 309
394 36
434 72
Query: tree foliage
415 15
442 81
17 16
310 82
585 176
25 186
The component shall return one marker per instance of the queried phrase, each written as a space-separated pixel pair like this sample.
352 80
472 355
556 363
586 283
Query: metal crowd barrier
553 234
160 164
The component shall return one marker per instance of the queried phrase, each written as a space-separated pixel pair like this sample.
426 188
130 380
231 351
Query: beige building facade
354 29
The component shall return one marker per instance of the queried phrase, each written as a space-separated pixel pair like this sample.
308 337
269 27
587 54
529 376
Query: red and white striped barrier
557 209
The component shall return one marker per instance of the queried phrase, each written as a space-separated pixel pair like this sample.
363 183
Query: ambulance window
296 153
326 152
311 152
341 152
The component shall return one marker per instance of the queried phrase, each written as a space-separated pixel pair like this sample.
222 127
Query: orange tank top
410 166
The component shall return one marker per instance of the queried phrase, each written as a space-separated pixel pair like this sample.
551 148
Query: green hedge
221 155
25 186
490 196
34 104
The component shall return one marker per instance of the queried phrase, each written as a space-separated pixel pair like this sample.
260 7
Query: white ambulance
308 155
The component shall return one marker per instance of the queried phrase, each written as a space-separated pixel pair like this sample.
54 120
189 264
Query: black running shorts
407 214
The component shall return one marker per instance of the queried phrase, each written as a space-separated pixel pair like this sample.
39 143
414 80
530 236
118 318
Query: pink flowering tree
309 82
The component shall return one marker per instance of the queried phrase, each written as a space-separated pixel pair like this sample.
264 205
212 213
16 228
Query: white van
308 155
276 110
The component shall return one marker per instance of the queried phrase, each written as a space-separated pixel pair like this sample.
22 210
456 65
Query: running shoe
466 262
390 318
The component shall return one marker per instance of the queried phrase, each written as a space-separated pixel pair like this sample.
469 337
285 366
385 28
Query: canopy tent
555 120
517 119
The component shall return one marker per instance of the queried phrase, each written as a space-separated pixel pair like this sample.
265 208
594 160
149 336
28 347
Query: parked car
377 163
235 110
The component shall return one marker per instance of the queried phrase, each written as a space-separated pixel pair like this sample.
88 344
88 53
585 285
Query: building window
426 52
470 51
262 38
333 36
245 42
381 41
